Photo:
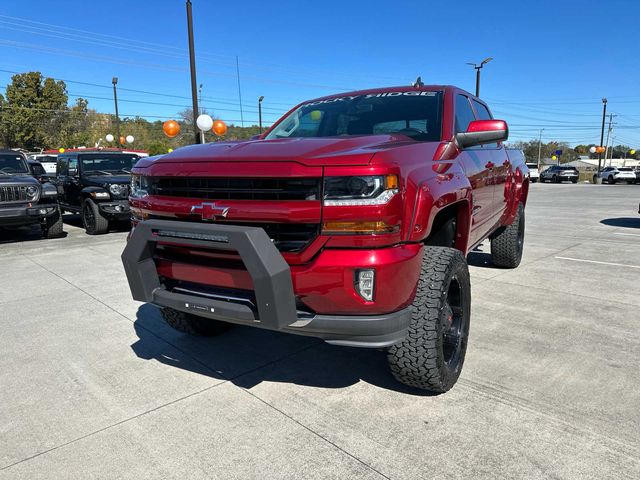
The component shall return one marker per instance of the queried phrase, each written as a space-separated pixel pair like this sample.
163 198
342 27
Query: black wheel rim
89 218
453 324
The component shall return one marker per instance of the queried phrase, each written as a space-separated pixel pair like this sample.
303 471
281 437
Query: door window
464 113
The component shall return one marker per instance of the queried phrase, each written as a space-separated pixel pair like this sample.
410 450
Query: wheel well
450 227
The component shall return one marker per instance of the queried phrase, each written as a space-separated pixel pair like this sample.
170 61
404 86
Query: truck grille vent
237 188
13 194
287 237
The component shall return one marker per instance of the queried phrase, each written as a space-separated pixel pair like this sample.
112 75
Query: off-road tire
428 358
507 245
53 227
192 324
94 223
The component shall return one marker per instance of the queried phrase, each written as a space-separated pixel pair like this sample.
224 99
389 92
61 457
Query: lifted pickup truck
24 200
349 220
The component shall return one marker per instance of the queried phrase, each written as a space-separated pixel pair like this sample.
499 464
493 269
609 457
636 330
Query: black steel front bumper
275 305
25 215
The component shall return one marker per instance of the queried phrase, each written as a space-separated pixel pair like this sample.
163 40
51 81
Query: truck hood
17 179
328 151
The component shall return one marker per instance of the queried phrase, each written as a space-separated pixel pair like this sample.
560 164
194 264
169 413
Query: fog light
365 283
43 211
118 208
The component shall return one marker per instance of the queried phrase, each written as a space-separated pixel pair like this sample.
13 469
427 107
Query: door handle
489 165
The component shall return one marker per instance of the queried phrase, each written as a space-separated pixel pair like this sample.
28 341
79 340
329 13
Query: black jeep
96 184
24 200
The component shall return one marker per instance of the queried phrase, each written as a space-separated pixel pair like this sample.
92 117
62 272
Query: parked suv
349 220
96 185
24 200
559 173
613 175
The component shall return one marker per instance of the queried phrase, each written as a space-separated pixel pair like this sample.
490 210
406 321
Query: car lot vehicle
612 175
559 173
37 171
95 183
350 220
47 160
636 171
534 173
24 200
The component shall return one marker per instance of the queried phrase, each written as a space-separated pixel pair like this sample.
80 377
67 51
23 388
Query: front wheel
575 180
554 179
53 226
612 180
507 246
432 354
94 222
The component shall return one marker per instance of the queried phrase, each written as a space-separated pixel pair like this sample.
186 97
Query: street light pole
604 115
114 80
540 147
478 68
192 64
260 111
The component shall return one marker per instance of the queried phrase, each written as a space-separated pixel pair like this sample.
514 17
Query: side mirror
481 132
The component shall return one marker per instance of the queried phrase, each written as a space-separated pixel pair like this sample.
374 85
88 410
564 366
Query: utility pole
200 111
192 64
540 147
239 92
606 150
114 80
604 114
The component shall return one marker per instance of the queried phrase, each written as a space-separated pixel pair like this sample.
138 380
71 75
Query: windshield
532 165
12 163
414 113
107 163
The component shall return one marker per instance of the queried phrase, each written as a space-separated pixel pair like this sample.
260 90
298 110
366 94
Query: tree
30 111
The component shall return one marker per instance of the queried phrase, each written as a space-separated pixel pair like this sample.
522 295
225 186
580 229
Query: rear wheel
192 324
94 223
507 246
554 179
432 354
575 180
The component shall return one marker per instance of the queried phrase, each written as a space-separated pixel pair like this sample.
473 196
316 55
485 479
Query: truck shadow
626 222
247 356
23 234
75 220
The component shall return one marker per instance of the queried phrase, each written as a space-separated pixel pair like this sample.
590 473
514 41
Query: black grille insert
237 188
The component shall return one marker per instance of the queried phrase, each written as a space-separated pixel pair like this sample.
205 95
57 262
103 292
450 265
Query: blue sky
553 61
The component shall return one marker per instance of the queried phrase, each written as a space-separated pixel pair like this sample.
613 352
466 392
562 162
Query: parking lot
94 385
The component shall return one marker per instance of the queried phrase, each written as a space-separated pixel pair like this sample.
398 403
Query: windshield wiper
125 171
95 172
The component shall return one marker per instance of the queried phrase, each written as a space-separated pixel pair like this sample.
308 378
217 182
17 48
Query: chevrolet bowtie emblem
210 211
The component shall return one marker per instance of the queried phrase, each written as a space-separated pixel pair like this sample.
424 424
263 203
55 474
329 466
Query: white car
534 173
617 174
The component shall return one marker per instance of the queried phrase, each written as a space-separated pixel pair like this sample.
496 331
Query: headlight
118 190
32 192
364 190
140 185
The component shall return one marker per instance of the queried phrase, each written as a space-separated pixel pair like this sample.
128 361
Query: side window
73 165
482 111
464 113
63 166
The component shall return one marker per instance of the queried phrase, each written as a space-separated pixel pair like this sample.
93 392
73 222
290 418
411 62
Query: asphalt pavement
94 385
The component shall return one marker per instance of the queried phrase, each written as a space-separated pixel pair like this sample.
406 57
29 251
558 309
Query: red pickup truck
349 220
